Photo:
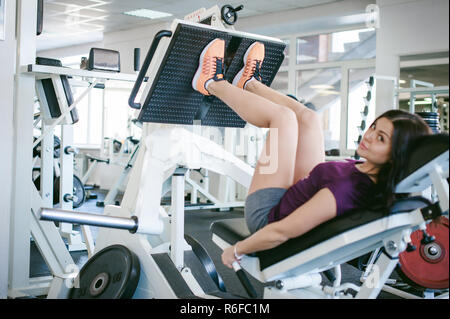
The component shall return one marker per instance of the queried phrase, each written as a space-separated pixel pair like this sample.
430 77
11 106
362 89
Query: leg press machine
156 235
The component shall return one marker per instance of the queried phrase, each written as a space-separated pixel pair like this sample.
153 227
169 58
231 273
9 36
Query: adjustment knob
427 239
410 248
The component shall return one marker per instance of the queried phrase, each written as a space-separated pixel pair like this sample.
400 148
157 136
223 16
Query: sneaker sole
200 67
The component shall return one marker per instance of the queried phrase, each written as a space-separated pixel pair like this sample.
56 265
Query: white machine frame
26 198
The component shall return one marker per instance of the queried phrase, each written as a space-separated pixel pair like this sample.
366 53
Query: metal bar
45 69
425 90
177 219
65 216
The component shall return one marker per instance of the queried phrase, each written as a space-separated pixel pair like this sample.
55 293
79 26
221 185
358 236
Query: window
321 90
118 114
327 72
336 46
280 83
88 130
286 53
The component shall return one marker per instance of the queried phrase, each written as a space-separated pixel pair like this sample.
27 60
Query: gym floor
197 224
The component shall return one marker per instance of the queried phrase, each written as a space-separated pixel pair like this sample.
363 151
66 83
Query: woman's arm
320 208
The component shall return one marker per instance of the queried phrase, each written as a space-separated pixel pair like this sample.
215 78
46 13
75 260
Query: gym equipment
113 273
25 197
103 60
426 266
40 17
110 197
432 119
294 265
293 269
79 195
54 100
47 237
137 59
171 99
158 235
229 14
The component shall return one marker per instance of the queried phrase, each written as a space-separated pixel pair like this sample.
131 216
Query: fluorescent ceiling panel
149 14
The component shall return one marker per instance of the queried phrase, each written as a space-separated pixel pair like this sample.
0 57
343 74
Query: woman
298 190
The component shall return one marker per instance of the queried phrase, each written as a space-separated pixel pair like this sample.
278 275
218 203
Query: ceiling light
420 102
328 92
149 14
321 87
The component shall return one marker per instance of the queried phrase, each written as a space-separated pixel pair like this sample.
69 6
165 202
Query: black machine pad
234 230
172 100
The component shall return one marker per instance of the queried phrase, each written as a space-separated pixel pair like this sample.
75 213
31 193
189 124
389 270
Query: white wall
406 28
7 58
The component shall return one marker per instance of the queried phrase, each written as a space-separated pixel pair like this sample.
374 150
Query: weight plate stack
432 119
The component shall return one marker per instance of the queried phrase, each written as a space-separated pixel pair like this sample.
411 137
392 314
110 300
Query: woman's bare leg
275 168
310 148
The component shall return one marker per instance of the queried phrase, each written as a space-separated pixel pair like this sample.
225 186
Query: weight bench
295 265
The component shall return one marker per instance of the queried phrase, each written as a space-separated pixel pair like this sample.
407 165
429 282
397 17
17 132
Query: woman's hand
228 257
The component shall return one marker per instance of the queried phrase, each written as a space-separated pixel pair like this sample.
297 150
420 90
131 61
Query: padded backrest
171 98
425 148
424 153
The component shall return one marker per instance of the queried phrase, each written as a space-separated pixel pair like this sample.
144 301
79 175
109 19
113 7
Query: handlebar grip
244 280
145 65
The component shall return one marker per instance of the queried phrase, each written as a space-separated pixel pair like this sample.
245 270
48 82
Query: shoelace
213 65
219 68
253 69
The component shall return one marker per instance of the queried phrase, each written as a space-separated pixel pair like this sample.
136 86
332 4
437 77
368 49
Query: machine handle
244 280
146 64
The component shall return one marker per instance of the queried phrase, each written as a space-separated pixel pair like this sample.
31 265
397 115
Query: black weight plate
56 146
112 273
78 192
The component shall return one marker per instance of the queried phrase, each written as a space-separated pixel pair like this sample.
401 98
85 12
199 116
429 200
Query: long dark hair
407 127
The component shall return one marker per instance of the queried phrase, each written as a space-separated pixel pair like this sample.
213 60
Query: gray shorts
258 205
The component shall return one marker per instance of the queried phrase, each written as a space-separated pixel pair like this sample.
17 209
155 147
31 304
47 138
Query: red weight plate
428 265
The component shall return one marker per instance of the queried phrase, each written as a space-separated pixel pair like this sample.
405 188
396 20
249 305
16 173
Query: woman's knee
285 117
308 117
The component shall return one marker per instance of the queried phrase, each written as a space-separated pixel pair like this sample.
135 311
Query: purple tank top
348 185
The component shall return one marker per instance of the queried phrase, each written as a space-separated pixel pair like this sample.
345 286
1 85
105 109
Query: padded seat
234 230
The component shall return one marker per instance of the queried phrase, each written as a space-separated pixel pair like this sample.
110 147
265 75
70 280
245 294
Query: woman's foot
211 66
253 59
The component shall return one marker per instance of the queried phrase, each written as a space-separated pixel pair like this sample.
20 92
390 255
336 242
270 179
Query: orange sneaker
211 66
253 59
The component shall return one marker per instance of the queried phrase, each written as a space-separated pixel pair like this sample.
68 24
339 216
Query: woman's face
375 145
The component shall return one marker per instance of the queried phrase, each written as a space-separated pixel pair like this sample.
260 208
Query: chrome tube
65 216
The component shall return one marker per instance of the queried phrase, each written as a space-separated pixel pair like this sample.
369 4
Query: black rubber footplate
172 100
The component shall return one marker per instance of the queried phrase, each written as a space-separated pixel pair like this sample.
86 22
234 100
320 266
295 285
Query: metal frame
25 197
